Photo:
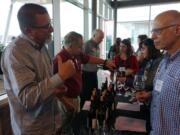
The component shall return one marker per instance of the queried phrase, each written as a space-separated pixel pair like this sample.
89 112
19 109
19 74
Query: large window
137 20
133 14
5 7
9 26
71 18
156 9
130 25
132 30
104 22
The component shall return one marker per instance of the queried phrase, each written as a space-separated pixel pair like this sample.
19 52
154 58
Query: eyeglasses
46 26
159 30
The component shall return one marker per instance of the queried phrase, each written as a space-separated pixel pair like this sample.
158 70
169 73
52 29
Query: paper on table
128 106
87 106
130 124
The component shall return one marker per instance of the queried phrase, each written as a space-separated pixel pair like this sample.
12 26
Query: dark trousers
90 81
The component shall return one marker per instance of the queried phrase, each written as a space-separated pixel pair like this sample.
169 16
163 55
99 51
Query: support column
94 14
86 21
115 21
56 24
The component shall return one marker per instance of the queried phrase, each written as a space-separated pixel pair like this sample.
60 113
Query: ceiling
116 3
35 1
131 3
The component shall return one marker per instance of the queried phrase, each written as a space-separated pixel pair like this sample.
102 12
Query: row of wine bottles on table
102 106
102 101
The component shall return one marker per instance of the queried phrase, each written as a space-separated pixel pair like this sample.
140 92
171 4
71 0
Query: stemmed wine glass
138 84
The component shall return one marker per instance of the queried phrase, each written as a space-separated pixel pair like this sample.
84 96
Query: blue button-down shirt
165 107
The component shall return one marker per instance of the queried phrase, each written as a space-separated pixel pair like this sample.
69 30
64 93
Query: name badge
158 85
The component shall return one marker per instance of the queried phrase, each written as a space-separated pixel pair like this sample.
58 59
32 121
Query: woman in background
126 59
152 58
114 49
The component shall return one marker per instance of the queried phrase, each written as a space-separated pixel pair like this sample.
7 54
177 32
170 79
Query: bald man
165 105
89 75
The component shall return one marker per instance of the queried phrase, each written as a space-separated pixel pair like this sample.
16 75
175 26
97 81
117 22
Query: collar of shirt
67 54
172 57
34 44
94 43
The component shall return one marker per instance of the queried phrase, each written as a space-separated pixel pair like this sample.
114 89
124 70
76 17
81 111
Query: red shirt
74 84
130 63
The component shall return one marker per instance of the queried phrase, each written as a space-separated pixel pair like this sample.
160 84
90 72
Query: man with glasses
28 75
165 105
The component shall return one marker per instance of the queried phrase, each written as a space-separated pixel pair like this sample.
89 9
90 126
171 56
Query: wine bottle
93 110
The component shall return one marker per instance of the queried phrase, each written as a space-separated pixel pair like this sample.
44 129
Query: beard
49 39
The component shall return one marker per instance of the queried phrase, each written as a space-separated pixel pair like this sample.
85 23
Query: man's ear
27 30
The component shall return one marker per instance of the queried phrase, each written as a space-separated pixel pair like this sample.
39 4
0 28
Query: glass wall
5 8
132 30
9 26
71 18
131 22
105 22
137 20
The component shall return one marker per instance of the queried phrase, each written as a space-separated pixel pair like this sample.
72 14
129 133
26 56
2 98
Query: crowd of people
45 95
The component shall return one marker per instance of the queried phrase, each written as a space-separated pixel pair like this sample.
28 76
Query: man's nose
154 35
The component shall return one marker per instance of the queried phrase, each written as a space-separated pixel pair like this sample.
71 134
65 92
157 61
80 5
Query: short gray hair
72 38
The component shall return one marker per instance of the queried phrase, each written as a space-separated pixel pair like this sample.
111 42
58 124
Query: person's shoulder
87 42
158 60
14 46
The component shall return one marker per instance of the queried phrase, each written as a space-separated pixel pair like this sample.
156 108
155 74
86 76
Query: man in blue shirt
165 104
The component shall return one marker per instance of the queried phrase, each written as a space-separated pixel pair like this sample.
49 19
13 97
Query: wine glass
139 82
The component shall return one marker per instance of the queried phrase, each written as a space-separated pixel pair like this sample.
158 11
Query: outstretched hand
111 65
66 69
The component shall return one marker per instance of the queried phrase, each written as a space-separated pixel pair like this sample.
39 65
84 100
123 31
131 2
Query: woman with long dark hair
127 59
152 58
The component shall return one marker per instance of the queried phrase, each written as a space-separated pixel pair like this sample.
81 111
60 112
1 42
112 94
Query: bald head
166 31
98 36
170 17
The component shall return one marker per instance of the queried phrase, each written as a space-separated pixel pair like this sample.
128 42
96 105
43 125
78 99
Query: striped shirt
165 107
29 82
91 48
